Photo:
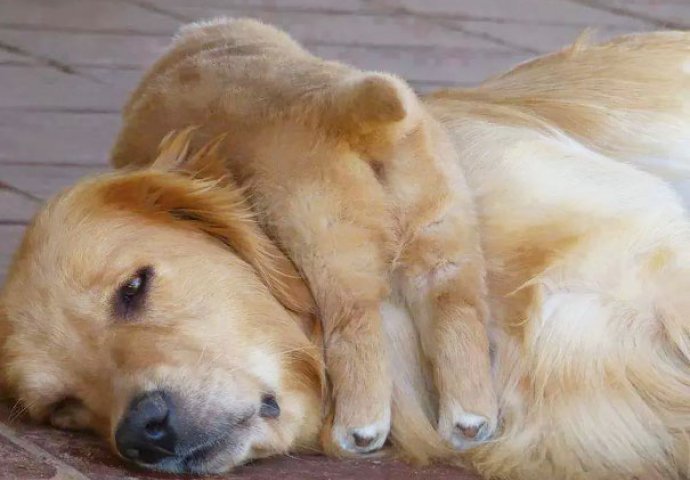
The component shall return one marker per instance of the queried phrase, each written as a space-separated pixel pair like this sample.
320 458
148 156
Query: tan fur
330 158
213 330
578 160
572 168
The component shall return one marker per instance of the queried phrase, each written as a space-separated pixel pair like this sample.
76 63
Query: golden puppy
151 306
330 157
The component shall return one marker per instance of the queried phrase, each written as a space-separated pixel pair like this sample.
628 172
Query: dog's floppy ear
366 101
197 190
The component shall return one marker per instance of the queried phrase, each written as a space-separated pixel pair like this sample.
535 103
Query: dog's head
150 307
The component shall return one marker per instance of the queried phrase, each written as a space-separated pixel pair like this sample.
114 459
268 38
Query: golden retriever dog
322 256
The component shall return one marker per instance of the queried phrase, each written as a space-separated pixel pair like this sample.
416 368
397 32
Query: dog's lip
195 458
200 454
191 461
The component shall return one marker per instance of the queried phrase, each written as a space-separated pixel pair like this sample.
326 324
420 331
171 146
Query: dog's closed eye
69 414
130 297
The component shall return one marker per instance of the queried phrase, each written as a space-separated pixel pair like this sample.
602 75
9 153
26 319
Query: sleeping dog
315 257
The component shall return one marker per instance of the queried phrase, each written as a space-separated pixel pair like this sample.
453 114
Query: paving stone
664 12
44 181
15 207
358 29
48 137
83 14
543 38
18 464
10 236
44 88
560 12
93 49
340 6
13 58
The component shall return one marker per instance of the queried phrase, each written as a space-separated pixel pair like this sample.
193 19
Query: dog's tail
413 433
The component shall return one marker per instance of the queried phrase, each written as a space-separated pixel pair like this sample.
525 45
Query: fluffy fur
330 157
576 163
573 159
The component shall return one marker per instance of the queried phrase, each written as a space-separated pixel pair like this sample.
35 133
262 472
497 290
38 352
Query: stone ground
67 65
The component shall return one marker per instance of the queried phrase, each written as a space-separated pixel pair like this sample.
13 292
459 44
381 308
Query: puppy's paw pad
473 427
363 439
470 430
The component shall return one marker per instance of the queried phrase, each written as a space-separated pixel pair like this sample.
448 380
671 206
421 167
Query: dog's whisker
18 409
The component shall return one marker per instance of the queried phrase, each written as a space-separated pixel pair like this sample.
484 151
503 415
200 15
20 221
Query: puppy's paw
357 365
464 430
363 437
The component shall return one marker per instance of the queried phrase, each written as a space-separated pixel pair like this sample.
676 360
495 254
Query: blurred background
66 67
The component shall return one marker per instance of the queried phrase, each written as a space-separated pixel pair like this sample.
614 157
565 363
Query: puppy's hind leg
447 302
440 270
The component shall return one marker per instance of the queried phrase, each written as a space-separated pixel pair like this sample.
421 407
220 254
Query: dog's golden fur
331 157
576 163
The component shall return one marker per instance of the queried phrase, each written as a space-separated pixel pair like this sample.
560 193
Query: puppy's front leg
333 222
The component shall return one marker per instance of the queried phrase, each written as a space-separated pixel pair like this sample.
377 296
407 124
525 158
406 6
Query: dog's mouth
158 433
161 430
200 459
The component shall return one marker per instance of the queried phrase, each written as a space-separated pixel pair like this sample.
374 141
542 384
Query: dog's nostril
156 430
147 432
362 441
269 407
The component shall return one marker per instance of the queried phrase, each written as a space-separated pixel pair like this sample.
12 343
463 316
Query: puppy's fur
572 160
330 157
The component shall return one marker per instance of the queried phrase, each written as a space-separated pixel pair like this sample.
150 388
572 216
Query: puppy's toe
466 430
470 430
360 440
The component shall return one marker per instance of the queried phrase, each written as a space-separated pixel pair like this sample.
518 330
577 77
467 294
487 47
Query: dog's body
571 160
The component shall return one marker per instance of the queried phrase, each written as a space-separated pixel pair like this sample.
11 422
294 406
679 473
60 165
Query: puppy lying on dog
331 159
158 307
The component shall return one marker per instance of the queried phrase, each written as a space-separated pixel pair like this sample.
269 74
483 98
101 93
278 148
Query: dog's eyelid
64 402
55 404
130 296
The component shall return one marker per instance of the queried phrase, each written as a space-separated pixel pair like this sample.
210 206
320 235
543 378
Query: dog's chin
215 457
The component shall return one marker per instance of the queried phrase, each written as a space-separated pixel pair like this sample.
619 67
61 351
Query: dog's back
577 160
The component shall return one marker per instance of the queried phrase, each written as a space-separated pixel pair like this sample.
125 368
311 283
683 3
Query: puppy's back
223 75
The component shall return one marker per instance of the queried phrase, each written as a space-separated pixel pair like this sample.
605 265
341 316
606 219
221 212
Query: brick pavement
67 65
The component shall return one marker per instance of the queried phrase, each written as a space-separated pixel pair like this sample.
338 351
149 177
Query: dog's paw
464 430
363 437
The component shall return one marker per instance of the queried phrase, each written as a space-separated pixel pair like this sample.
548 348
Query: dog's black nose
146 433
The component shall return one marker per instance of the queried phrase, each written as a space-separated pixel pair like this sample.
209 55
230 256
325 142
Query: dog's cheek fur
216 206
124 208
